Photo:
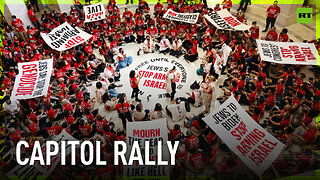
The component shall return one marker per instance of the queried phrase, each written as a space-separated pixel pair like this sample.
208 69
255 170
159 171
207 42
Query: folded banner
183 17
287 52
247 139
225 20
94 12
32 172
65 37
33 79
152 131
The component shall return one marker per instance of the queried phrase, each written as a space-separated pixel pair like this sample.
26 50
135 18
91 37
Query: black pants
175 53
245 3
34 3
270 20
124 117
135 92
173 89
191 58
140 39
128 2
129 39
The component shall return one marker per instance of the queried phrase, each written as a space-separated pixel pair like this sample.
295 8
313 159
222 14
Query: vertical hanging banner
33 79
246 138
154 132
183 17
65 37
225 20
287 52
95 12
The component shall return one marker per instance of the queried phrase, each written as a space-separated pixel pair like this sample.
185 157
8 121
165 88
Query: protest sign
183 17
287 52
94 12
246 138
65 37
225 20
55 160
32 172
33 79
152 131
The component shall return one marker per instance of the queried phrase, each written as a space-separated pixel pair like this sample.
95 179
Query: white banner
31 172
152 131
247 139
287 52
183 17
33 79
65 37
95 12
225 20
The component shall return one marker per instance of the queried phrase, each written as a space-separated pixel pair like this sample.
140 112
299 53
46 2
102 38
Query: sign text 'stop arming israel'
287 52
246 138
183 17
225 20
33 79
65 37
95 12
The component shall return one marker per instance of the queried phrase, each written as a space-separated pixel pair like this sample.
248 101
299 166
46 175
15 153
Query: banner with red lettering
247 139
154 132
32 172
225 20
65 37
95 12
287 52
33 79
183 17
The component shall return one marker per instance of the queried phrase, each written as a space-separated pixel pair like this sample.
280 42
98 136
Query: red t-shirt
283 37
254 32
51 114
108 136
196 162
272 36
30 14
192 142
272 11
85 130
174 135
152 32
132 82
122 108
100 125
18 24
55 130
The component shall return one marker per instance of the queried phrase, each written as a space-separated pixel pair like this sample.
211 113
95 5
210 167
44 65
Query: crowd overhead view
239 90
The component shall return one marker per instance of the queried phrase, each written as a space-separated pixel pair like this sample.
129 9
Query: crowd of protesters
279 97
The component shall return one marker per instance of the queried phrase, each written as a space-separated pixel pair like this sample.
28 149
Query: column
19 9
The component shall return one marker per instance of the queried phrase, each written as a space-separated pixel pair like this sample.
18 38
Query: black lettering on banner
89 10
43 75
219 21
40 84
43 65
38 92
275 52
266 50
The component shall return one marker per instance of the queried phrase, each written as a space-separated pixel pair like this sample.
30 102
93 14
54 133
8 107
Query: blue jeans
126 61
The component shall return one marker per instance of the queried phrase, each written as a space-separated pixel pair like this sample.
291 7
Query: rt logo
304 15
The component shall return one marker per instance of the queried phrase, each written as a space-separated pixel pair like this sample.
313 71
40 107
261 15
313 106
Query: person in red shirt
254 30
123 109
283 36
85 129
53 129
192 54
175 133
272 14
17 25
272 35
33 17
157 8
191 140
134 83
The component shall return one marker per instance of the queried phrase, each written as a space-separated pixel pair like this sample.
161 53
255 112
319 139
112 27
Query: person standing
134 83
272 14
123 108
17 25
171 78
245 3
208 92
33 17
